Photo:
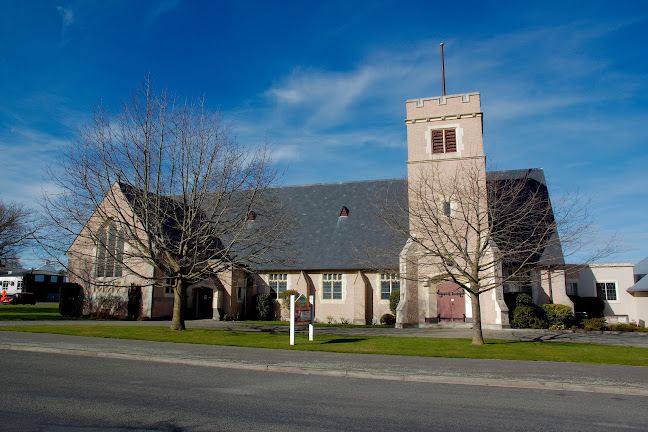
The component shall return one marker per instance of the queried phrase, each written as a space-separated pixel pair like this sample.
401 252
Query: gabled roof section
534 185
641 268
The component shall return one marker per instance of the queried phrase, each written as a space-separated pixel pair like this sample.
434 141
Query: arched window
110 251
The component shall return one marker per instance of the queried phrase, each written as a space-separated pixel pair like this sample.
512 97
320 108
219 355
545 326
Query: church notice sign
301 313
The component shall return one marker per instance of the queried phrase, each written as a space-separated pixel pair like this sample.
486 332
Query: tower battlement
466 104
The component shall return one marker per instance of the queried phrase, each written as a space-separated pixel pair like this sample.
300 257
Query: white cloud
67 19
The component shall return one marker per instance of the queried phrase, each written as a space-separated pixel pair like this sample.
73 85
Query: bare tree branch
179 189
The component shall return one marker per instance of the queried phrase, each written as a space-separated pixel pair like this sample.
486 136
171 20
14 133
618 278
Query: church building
345 255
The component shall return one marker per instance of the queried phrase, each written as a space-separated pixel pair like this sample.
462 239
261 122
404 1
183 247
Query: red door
451 305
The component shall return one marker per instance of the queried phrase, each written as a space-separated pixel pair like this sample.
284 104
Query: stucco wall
622 275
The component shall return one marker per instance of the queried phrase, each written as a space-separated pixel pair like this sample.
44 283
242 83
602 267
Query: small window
606 290
39 278
572 288
53 279
278 283
20 284
389 282
5 284
240 293
444 141
332 286
447 208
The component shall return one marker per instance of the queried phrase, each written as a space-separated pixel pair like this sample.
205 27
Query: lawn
409 346
30 312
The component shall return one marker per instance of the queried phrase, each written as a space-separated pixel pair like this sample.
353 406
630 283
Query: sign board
303 311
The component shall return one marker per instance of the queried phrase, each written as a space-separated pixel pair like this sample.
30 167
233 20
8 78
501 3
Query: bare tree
17 230
470 228
164 191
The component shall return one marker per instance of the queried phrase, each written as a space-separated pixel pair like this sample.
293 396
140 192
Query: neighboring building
44 283
337 229
623 288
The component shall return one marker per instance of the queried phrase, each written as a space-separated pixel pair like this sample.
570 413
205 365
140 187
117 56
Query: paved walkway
597 337
613 379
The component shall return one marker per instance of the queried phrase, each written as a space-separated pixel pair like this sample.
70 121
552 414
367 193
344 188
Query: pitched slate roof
327 241
324 240
641 268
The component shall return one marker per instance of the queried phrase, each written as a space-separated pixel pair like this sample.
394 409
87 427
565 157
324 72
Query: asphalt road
55 392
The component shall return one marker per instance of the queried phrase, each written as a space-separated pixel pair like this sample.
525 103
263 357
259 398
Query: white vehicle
11 284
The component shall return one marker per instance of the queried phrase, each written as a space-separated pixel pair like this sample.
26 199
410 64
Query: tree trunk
179 306
478 337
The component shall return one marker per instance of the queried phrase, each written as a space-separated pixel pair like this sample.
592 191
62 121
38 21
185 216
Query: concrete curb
343 373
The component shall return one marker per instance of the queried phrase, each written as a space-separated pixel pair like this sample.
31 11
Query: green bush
523 299
595 324
263 306
394 299
558 316
627 328
528 316
70 300
285 297
388 319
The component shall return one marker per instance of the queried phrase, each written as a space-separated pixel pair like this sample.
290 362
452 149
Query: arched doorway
451 302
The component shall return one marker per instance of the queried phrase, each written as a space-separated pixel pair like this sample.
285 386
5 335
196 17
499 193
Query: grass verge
425 347
30 312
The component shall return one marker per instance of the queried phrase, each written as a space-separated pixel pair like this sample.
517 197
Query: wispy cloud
162 8
67 19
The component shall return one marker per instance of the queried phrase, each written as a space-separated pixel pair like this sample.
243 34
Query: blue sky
564 85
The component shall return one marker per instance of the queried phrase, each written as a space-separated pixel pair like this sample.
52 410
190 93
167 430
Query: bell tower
444 128
445 160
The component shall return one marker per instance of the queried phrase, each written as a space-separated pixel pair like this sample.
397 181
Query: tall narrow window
110 251
447 208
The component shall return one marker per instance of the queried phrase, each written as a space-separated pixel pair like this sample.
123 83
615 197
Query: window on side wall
572 288
389 282
606 290
332 286
278 283
39 278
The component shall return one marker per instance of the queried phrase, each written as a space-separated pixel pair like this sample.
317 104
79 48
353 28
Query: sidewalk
614 379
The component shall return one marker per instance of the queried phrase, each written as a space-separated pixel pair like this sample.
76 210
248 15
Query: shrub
394 299
263 306
627 328
523 299
528 316
285 297
558 315
70 300
388 319
595 324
